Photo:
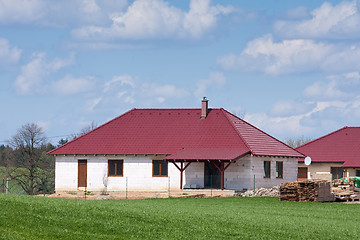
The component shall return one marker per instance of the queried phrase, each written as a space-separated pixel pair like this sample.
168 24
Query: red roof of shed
179 133
341 146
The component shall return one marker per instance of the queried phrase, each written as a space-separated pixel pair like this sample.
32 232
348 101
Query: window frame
116 165
279 163
161 162
269 169
338 171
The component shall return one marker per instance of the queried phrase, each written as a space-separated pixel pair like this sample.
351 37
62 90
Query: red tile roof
179 133
341 146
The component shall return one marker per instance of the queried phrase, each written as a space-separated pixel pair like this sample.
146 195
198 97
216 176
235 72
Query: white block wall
137 174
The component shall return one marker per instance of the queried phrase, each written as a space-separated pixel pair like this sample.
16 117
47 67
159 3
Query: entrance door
82 173
302 173
212 176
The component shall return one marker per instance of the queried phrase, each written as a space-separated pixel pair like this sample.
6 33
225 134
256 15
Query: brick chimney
204 108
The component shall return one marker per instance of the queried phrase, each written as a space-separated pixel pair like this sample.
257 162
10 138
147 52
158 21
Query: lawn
29 217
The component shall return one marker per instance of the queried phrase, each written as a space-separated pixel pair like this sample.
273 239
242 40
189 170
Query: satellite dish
307 161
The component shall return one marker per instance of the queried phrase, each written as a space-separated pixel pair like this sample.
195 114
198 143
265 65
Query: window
160 168
115 168
357 173
337 172
266 169
279 169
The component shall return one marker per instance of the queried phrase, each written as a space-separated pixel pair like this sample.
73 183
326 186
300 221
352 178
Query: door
302 173
212 176
82 173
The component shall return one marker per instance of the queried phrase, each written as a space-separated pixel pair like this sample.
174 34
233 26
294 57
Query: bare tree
296 142
30 148
84 130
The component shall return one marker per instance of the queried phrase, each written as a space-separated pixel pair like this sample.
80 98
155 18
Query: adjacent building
333 156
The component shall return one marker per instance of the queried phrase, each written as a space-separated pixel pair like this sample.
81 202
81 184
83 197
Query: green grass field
27 217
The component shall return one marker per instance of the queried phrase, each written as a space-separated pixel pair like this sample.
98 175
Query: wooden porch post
222 169
181 169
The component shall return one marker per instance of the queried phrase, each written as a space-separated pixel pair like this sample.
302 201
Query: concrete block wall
137 173
238 175
194 175
290 168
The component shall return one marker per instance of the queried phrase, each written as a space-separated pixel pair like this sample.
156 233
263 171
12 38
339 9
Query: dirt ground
201 193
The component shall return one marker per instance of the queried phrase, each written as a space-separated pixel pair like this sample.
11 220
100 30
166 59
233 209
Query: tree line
25 160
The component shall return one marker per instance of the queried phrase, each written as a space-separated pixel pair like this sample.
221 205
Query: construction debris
345 190
260 192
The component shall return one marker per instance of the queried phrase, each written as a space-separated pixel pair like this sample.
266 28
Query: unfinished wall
194 175
320 170
238 175
290 168
137 174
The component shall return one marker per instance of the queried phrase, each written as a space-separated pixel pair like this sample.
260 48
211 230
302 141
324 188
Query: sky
291 68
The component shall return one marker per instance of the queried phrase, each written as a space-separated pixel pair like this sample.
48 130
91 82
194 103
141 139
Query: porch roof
207 154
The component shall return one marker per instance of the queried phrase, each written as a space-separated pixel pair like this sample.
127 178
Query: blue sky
291 68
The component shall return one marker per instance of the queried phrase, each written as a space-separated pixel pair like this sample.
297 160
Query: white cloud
122 80
215 79
289 108
328 21
163 91
21 11
343 86
58 13
323 115
70 85
33 74
293 56
92 103
8 54
157 19
327 106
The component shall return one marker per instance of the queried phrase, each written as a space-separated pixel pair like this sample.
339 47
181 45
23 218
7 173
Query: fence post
7 186
211 185
169 186
44 186
85 187
254 183
126 190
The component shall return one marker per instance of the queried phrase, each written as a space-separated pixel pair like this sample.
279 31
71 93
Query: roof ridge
242 139
326 135
264 132
81 136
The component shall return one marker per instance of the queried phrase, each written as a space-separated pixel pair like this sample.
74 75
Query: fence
133 187
9 186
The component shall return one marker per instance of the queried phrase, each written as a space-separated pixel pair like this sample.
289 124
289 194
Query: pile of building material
306 191
260 192
345 191
289 191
